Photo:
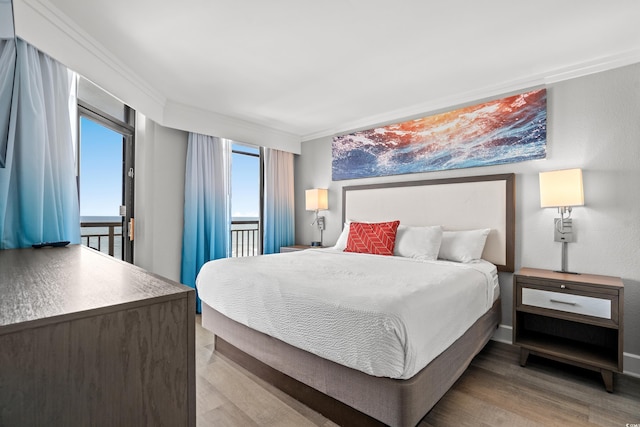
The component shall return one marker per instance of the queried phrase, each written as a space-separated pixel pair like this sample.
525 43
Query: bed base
345 395
331 408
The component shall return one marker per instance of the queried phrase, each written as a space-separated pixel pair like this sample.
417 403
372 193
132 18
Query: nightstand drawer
579 304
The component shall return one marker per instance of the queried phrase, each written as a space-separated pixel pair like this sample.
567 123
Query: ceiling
314 68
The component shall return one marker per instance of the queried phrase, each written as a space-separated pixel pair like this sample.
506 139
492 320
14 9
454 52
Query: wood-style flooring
494 391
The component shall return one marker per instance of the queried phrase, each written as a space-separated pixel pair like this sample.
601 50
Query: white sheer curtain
38 190
279 219
207 205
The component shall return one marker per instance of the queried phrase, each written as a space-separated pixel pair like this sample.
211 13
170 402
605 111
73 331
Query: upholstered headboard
455 203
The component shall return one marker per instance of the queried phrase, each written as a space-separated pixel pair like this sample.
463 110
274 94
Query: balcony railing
107 237
103 236
245 238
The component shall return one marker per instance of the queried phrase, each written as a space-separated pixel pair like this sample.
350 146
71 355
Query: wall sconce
562 189
317 199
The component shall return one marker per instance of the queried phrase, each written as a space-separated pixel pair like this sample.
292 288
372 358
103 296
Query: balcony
245 238
106 236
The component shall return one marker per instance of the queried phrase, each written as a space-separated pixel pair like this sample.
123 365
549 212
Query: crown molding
482 94
42 24
193 119
595 66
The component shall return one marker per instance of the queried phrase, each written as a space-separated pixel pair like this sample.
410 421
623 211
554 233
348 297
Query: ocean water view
102 193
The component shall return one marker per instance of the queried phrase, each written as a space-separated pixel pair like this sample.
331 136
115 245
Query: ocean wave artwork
507 130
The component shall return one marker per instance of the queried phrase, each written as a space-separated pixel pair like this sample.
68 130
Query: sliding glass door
106 180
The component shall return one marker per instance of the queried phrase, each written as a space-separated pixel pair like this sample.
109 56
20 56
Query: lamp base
564 261
314 244
566 272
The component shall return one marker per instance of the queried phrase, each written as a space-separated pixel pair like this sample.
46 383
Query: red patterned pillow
372 238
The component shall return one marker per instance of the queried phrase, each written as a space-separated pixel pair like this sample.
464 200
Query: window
246 236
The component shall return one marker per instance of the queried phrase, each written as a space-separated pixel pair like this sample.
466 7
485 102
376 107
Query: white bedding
385 316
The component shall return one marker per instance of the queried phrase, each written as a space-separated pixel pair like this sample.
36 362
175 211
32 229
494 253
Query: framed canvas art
507 130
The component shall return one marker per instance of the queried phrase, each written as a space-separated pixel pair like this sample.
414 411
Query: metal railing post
110 235
244 242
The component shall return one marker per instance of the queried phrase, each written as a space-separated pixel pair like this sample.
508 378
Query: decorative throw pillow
463 246
372 238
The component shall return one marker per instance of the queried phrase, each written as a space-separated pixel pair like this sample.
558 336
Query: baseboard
503 334
631 362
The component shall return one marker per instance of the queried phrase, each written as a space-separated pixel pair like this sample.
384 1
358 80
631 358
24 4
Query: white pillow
341 244
421 243
463 246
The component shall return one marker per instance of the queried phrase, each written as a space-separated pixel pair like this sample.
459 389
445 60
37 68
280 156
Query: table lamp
317 199
562 189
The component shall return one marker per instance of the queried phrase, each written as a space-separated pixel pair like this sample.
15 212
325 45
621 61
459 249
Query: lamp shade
317 199
561 188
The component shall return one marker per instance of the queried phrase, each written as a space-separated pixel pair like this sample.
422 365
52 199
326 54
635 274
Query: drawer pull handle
563 302
562 286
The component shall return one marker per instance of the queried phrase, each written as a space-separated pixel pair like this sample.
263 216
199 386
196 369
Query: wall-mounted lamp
562 189
317 199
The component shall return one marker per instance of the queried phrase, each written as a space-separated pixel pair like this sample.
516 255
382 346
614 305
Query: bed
362 354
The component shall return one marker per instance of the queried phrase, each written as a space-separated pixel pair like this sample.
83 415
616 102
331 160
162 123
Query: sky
101 174
100 170
245 183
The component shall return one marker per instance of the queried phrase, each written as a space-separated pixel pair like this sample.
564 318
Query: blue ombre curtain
207 206
38 191
279 228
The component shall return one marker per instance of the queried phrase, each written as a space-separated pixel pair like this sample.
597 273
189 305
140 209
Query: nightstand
296 248
571 318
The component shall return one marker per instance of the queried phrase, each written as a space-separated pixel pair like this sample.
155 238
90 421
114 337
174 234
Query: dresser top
569 277
56 284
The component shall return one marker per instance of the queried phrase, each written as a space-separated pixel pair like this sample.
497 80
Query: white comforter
385 316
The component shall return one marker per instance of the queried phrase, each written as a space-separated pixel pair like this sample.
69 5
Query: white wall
159 197
593 123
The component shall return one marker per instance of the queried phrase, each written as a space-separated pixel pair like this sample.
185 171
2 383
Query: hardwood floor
494 391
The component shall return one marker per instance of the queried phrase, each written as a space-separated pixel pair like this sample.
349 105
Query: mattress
384 316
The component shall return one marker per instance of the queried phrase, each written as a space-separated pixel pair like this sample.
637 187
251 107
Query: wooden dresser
89 340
